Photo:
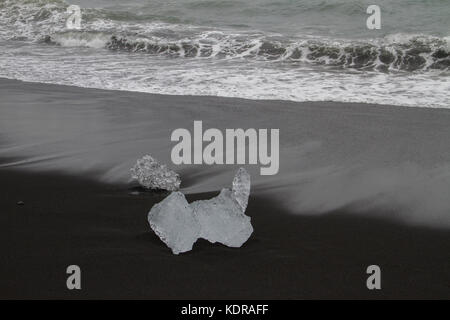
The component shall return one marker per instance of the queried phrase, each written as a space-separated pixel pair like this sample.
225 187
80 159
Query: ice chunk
152 175
222 220
174 223
241 188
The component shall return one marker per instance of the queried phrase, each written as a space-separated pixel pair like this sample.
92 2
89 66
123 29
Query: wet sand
358 185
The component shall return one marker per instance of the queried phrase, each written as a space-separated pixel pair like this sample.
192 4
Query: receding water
261 49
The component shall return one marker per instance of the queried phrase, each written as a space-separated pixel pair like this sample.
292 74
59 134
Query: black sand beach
81 217
102 228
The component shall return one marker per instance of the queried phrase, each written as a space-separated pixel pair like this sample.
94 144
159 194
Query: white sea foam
220 78
96 40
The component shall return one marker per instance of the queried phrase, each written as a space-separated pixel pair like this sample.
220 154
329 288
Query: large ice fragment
152 175
220 219
174 223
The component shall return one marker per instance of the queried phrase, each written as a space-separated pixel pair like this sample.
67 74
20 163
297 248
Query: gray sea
318 50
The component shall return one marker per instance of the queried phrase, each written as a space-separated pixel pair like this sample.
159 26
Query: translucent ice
220 219
152 175
241 188
174 223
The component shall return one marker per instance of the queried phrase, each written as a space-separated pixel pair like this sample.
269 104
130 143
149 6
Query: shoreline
358 185
5 80
332 155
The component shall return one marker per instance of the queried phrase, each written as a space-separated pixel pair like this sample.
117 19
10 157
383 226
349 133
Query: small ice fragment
152 175
241 188
174 223
222 220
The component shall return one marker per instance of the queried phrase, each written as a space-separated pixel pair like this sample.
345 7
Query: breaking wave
418 53
43 21
233 49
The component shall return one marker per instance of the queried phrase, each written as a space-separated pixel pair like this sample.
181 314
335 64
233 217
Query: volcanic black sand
102 228
358 185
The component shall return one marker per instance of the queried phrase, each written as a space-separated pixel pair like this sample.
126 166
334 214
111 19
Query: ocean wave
28 20
417 53
44 21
